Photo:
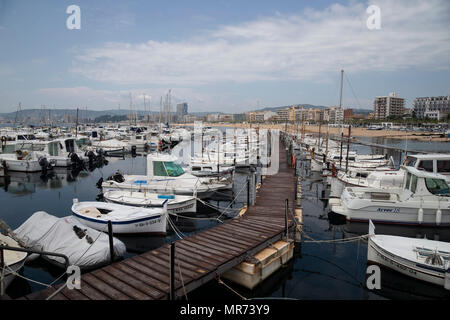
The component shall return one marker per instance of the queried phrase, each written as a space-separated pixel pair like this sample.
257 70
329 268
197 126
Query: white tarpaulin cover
45 232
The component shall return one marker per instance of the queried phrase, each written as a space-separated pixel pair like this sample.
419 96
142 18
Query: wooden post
172 272
286 218
248 192
2 264
111 243
254 188
348 147
218 158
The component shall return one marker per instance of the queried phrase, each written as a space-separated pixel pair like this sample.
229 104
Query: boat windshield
167 168
437 186
173 169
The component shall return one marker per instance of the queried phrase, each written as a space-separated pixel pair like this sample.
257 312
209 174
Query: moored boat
422 259
423 199
124 219
13 261
175 203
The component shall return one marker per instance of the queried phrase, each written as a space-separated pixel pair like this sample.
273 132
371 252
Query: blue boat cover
165 196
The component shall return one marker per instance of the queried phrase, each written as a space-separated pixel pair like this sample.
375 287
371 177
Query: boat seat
92 212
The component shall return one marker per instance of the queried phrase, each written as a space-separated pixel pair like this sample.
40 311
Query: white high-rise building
432 107
387 106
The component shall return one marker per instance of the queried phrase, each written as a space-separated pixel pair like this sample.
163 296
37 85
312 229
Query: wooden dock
198 258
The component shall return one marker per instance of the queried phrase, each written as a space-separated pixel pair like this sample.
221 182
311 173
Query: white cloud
305 46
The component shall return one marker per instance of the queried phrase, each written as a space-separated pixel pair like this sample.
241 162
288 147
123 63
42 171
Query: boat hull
186 206
393 215
380 256
155 225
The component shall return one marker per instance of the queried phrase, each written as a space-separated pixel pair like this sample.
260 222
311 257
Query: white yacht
423 199
386 177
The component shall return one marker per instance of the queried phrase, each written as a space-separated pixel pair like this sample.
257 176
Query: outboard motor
99 183
45 165
90 154
133 151
117 177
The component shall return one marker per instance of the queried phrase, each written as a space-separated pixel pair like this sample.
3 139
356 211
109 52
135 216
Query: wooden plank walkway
198 258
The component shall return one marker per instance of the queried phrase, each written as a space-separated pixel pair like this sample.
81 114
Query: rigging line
353 92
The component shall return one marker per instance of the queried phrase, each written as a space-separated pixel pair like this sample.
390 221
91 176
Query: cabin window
9 148
443 166
437 186
413 184
426 165
411 162
70 147
158 169
408 180
173 169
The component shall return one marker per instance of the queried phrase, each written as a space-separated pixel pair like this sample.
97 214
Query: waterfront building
432 107
388 106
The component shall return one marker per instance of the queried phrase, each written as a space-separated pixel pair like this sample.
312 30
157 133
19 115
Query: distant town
385 108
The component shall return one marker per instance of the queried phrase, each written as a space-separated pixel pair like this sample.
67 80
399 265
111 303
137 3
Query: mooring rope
351 239
231 289
182 281
23 277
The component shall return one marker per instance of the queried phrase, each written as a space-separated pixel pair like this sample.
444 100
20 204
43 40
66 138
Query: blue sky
228 56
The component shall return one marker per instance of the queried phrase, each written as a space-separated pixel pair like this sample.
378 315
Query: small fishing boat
423 199
422 259
84 247
124 219
175 203
13 260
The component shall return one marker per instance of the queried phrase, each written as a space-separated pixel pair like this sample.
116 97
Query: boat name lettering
393 210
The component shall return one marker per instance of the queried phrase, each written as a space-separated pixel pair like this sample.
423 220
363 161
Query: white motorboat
175 203
112 145
423 199
124 219
13 260
387 178
371 179
25 161
422 259
84 247
166 176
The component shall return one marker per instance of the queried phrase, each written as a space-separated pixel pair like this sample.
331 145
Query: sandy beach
355 132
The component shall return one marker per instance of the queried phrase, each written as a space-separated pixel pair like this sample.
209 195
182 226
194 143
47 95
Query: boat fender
438 216
420 216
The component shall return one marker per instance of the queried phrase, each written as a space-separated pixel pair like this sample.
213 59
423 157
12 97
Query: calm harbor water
318 270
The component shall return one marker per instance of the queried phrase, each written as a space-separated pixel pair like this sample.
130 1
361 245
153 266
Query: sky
221 56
